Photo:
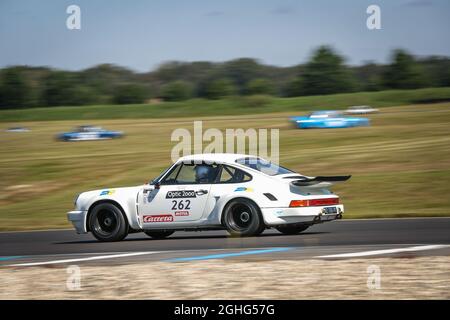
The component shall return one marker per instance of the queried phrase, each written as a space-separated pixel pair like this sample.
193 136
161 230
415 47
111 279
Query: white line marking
386 251
113 256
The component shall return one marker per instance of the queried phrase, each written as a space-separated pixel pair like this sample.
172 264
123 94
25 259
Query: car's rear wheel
242 218
292 229
159 234
107 223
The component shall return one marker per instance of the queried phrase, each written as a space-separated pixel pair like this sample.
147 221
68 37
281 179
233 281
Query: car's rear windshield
263 166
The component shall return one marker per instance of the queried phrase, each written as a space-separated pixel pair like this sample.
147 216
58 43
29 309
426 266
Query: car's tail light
314 202
298 203
324 202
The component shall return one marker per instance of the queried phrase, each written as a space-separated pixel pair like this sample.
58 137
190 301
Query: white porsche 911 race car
240 193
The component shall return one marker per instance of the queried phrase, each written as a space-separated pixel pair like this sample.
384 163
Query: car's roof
320 112
89 128
215 157
360 107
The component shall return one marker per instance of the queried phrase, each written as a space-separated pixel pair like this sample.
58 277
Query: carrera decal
107 192
181 194
158 218
243 189
181 213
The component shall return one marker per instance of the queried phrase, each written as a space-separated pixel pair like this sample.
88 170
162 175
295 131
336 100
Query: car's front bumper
308 215
78 219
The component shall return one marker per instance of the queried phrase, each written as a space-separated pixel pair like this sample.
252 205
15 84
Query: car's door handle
201 192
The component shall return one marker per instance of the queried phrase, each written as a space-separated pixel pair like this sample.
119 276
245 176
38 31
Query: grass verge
231 106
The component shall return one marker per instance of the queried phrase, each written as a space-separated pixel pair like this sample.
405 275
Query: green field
400 164
231 106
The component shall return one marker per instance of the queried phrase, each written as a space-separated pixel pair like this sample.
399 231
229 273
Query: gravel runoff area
401 278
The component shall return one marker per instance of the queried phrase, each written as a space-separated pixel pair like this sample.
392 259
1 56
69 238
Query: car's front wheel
107 223
159 234
292 229
242 218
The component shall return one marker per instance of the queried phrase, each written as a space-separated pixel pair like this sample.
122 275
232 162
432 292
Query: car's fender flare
226 201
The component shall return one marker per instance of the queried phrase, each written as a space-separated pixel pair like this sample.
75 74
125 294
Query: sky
141 34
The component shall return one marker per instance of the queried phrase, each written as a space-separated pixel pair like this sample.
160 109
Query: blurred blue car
328 119
85 133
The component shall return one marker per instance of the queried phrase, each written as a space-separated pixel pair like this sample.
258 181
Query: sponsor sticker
278 212
107 192
243 189
181 213
158 218
181 194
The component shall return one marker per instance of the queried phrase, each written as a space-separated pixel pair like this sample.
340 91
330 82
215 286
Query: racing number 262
181 204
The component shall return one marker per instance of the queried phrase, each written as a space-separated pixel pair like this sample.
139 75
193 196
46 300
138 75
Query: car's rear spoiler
319 181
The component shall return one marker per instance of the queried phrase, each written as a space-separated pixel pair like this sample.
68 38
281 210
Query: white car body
361 110
200 206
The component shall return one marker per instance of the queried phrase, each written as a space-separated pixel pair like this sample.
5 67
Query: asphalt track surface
345 238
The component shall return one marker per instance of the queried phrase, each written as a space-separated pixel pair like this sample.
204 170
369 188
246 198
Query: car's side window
233 175
187 173
226 174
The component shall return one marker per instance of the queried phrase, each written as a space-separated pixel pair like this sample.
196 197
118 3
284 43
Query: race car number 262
181 204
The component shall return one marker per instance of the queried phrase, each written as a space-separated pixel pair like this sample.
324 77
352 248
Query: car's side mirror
152 185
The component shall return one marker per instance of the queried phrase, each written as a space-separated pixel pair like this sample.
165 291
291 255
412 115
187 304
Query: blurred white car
361 110
240 193
17 129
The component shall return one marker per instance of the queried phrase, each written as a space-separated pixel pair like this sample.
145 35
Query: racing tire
290 230
242 218
159 234
107 223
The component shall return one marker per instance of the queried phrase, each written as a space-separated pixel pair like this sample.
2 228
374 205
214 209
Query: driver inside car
204 174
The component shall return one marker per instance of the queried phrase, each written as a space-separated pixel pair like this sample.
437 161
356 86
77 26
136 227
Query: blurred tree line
325 73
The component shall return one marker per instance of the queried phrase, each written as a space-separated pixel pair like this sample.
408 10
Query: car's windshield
155 180
88 129
324 114
263 166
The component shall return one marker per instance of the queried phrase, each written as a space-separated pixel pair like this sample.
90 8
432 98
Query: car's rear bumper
78 219
309 215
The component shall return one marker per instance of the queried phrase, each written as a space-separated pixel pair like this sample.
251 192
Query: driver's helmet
202 173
